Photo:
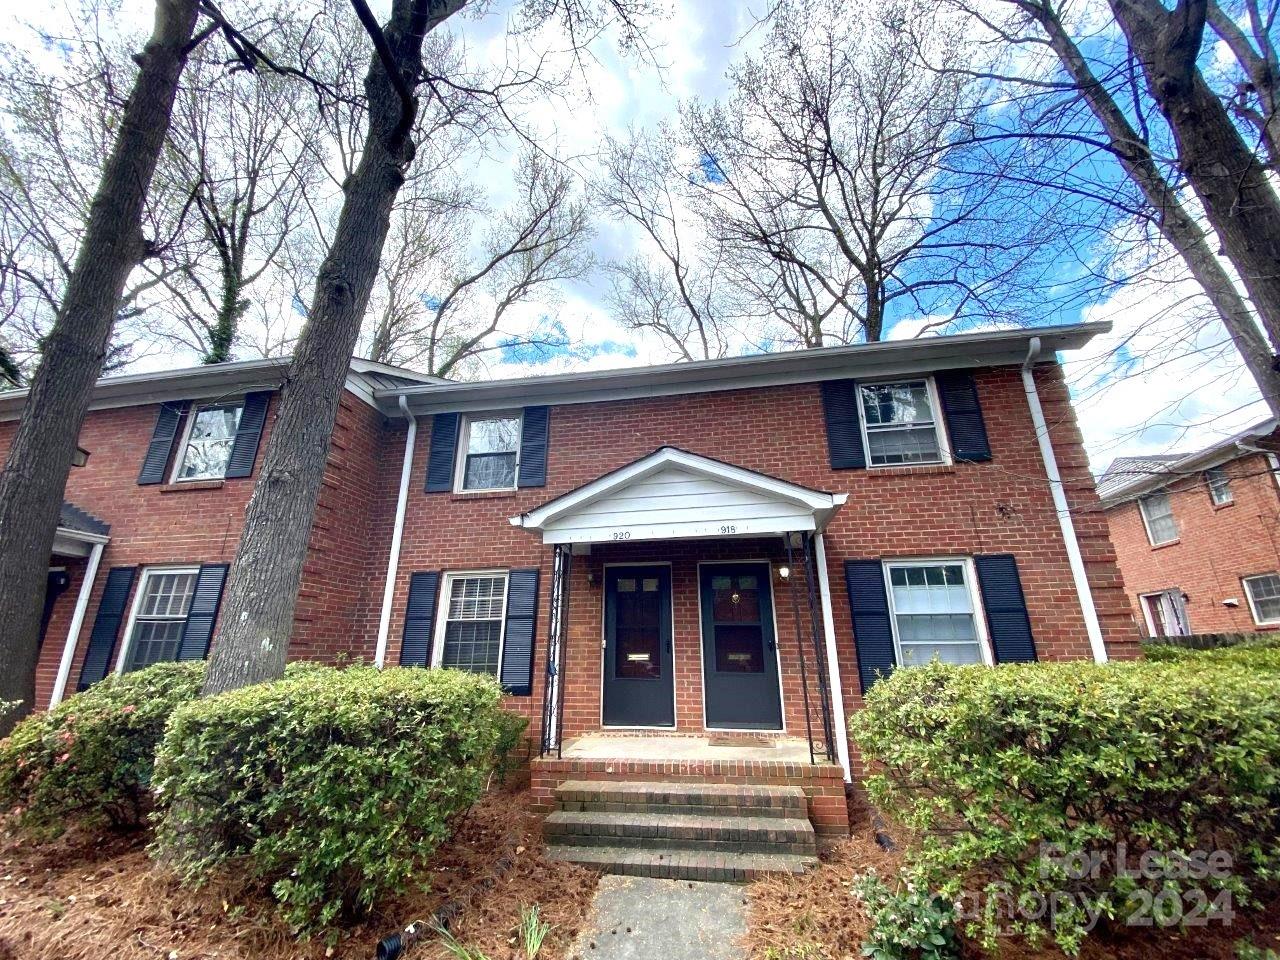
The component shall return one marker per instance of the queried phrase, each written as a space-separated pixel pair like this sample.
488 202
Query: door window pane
162 614
739 648
933 613
735 600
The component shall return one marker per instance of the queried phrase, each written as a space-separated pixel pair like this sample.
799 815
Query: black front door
638 690
739 650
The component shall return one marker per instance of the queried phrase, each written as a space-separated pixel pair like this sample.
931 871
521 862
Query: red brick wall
1002 506
194 523
1216 546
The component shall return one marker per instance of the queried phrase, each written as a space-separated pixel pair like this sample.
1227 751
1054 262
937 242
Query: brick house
1197 535
688 572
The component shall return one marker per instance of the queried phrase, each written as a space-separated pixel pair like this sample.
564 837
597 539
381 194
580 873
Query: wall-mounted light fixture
784 571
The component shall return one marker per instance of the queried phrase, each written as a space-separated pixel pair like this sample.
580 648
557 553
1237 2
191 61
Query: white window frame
1146 524
975 601
442 615
1226 480
140 591
1152 632
1253 608
464 441
189 422
939 430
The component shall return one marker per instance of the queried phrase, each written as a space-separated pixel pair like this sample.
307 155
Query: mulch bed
86 897
814 917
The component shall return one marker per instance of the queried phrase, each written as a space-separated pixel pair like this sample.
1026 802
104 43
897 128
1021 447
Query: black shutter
516 672
844 424
419 620
960 406
106 626
1006 608
203 612
872 629
248 433
440 458
161 445
534 435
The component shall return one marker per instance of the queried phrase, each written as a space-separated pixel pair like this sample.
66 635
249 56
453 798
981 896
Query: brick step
682 864
706 799
720 834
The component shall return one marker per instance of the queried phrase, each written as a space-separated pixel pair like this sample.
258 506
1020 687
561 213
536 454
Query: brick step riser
795 848
780 812
674 869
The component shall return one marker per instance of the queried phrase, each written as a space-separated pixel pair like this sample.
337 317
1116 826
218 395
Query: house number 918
728 528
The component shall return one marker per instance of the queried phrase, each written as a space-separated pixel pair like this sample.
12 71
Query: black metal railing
557 628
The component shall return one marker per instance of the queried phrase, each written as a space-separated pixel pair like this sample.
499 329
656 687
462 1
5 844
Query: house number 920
622 534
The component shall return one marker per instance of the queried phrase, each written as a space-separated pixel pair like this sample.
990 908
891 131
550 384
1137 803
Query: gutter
1058 492
397 535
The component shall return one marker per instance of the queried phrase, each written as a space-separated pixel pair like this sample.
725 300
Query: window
1219 486
933 612
469 636
898 423
489 453
1166 613
1157 514
159 614
1264 597
206 445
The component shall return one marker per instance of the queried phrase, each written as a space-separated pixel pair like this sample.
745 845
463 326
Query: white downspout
77 622
1092 627
833 659
397 534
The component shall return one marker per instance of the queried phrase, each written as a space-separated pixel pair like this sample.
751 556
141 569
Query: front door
739 650
638 683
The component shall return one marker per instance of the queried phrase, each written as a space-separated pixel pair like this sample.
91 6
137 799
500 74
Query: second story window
900 423
1157 514
206 445
488 453
1219 485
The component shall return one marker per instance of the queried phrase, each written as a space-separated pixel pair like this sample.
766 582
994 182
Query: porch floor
677 748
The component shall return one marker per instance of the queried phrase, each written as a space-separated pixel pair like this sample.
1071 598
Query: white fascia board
566 504
869 360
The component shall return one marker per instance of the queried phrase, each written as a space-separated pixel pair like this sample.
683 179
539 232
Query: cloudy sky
1162 381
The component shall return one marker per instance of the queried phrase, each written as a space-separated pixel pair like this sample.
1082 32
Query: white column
77 621
833 658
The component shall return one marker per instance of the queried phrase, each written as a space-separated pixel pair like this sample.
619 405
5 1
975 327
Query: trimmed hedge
1258 653
999 771
91 756
331 786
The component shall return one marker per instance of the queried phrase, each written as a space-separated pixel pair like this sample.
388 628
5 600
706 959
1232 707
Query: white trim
1253 609
777 651
822 505
139 591
77 623
671 603
464 440
189 415
1152 632
1146 521
975 602
833 657
397 536
442 614
935 409
1070 542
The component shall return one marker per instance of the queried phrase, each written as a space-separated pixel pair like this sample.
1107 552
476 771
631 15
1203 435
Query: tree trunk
262 590
35 473
1174 221
1225 173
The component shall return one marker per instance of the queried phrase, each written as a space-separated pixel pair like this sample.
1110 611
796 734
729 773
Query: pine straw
86 898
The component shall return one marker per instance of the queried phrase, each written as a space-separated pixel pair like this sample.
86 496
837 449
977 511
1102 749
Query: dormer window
206 444
489 450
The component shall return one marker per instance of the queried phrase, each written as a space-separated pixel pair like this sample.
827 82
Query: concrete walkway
639 918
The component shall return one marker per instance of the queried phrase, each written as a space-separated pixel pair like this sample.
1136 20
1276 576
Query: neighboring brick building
703 549
1198 535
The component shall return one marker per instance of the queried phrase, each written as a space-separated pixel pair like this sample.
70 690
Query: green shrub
909 923
91 756
999 772
332 786
1261 653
